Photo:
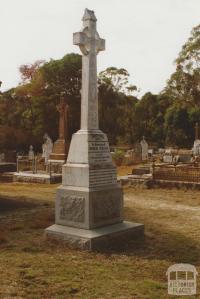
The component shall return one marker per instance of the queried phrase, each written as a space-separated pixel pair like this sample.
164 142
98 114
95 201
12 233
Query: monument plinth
89 203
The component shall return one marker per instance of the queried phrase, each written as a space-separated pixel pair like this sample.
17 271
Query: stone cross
90 44
90 200
62 108
196 131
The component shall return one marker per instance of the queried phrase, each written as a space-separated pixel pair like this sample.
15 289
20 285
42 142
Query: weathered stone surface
47 148
106 206
88 208
97 239
36 178
89 147
72 208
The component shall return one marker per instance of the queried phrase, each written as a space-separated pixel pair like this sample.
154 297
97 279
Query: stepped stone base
60 150
38 178
95 239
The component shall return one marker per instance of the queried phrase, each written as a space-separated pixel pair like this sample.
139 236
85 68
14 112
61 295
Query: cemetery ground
33 268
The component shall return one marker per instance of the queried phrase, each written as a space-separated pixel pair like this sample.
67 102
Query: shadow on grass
8 204
161 243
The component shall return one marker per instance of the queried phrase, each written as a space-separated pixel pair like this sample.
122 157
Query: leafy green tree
116 105
189 57
184 84
183 89
117 80
31 106
179 131
149 118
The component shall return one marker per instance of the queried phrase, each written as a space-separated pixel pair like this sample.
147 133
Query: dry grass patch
33 268
3 237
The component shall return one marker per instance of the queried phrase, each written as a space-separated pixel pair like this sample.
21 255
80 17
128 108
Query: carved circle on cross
88 40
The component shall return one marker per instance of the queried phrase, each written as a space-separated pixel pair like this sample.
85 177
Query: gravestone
144 146
31 154
89 202
47 148
136 153
61 146
168 156
196 146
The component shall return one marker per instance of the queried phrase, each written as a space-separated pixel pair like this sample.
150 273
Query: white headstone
167 158
31 153
144 146
196 147
47 148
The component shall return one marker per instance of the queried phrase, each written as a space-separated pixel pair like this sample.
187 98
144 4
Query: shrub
118 157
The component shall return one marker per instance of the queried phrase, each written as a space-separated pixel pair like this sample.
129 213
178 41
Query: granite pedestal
89 203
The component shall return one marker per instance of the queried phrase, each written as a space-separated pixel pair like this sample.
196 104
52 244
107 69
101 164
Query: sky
142 36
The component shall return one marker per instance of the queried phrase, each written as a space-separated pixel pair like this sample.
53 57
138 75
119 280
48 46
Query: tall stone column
90 44
89 203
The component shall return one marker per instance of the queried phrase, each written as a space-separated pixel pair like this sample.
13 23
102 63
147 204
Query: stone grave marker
89 203
47 148
144 146
61 146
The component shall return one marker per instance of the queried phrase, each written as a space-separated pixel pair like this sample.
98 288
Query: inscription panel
99 152
72 208
102 176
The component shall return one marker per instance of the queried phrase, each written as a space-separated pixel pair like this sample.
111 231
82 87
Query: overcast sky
143 36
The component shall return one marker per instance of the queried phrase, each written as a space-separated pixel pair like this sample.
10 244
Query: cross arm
101 44
80 39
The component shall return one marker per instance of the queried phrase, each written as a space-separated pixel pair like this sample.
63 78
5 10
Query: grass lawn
32 268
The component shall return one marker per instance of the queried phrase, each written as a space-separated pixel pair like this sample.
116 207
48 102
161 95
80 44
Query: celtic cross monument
89 203
61 146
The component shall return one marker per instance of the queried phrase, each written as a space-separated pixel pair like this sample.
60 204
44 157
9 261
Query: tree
117 80
184 84
116 105
28 71
189 57
183 89
179 131
149 118
31 106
